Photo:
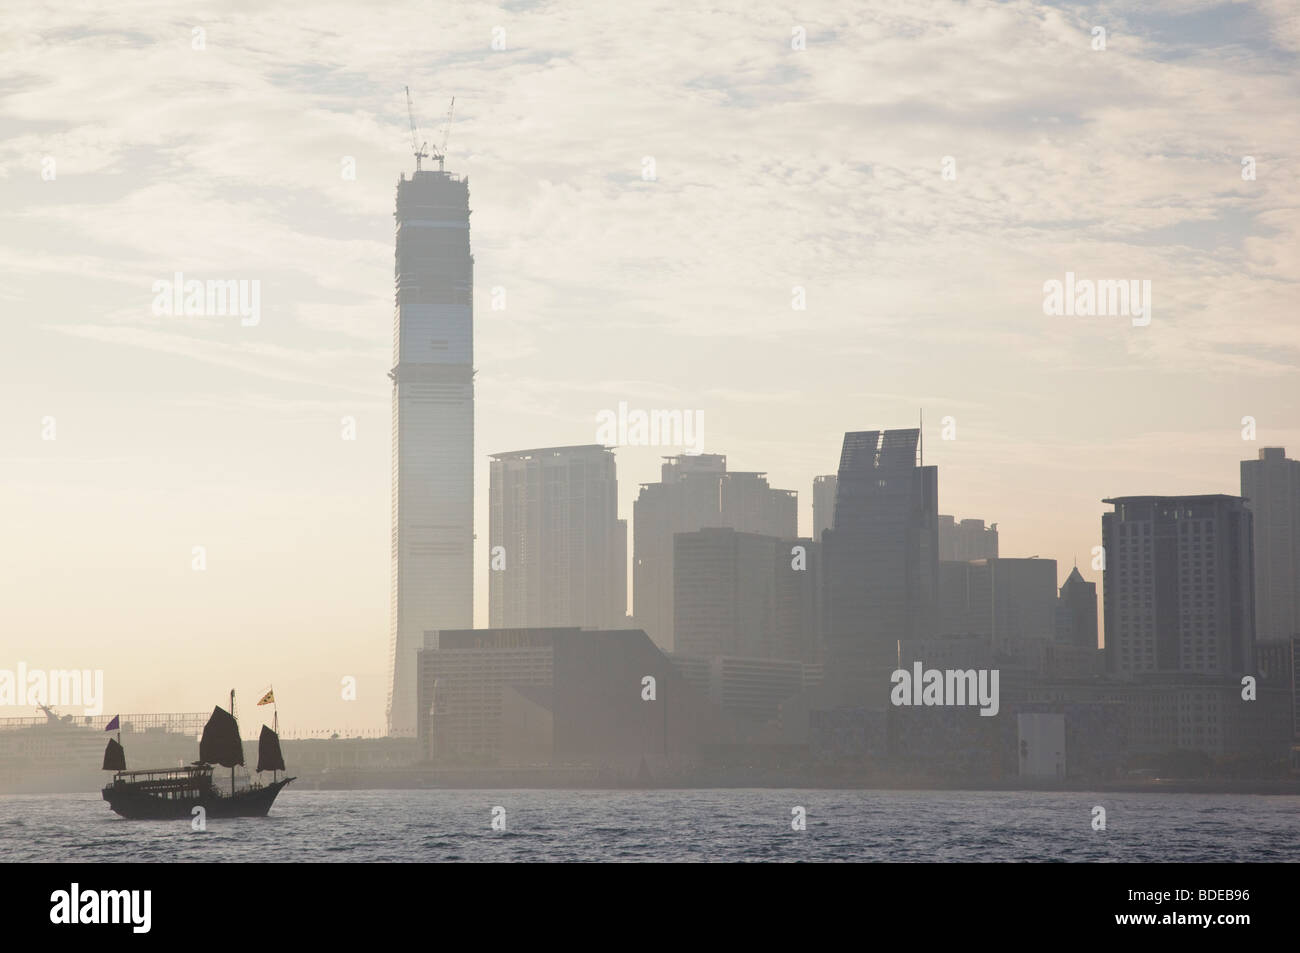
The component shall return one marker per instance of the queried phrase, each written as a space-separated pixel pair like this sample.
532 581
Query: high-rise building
1077 611
744 595
1271 486
695 492
1003 600
1178 589
433 427
880 560
558 550
823 505
966 540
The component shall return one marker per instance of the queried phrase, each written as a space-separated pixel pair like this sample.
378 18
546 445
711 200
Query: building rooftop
551 451
1188 498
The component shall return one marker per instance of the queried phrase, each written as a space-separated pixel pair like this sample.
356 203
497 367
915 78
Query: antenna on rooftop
418 149
441 152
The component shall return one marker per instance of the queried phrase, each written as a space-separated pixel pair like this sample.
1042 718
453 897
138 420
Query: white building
433 427
558 550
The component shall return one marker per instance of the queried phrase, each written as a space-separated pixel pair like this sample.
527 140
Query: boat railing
150 774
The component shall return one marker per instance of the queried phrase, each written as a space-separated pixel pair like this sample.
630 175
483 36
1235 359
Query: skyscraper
1077 611
1271 486
880 559
1002 599
695 492
1177 587
966 540
746 595
433 427
823 505
557 547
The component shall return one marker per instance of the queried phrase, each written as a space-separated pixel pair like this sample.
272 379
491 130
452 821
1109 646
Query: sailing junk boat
269 756
114 756
175 792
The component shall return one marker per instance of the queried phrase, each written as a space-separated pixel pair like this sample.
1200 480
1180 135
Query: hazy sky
774 168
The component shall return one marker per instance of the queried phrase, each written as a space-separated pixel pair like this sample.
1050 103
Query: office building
432 548
556 696
823 505
966 540
695 492
1178 590
1271 487
557 549
1077 611
880 561
750 689
1002 599
745 595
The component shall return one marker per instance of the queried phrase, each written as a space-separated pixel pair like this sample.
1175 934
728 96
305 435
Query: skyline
671 294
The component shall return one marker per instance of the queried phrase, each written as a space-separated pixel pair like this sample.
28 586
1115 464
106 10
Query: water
689 825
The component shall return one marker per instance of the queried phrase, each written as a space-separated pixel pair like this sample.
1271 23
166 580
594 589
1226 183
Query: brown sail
220 743
269 756
114 756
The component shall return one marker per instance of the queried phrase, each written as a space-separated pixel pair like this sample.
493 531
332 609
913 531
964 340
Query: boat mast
236 720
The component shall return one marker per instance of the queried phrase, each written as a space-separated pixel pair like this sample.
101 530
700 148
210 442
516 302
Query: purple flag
112 725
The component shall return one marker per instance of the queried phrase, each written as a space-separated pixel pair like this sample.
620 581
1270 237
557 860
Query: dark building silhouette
695 492
433 427
557 549
748 691
823 505
739 594
1271 486
1279 667
556 696
1294 698
1077 611
880 560
966 540
1178 587
1001 599
1171 712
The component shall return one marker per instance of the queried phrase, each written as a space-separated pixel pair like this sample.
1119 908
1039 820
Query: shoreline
577 779
1282 787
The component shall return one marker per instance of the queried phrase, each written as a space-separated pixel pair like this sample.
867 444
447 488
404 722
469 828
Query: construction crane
441 153
419 150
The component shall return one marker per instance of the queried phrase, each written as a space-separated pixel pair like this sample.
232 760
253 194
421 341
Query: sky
655 188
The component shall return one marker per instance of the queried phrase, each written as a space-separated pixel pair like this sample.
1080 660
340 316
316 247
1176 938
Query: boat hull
138 805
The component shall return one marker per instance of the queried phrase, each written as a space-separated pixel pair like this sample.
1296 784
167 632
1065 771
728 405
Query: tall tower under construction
433 427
